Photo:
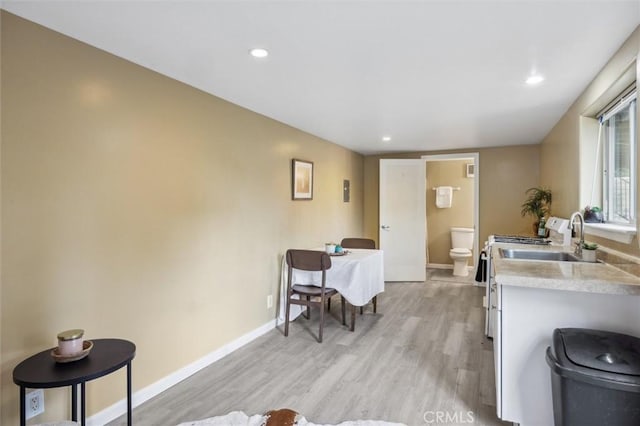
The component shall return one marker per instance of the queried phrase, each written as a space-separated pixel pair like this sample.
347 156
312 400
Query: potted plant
593 214
589 252
537 204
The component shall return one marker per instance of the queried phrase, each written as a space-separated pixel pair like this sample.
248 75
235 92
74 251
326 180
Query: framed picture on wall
301 180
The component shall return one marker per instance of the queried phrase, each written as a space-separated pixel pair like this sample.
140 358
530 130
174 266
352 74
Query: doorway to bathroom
452 183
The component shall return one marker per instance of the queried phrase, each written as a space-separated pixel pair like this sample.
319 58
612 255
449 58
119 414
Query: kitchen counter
569 276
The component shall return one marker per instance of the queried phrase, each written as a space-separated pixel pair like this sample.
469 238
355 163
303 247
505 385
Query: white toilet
462 242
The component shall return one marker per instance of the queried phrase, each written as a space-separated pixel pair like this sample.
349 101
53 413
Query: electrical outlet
34 403
269 301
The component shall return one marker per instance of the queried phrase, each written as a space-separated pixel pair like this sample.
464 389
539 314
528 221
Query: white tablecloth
358 276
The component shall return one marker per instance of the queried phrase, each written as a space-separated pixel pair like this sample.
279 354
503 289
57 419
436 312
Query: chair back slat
358 243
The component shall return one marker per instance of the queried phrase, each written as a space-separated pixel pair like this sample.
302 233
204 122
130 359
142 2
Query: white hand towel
444 197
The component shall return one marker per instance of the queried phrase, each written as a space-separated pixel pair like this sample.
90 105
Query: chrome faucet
579 244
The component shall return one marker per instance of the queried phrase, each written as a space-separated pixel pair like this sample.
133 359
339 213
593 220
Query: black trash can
595 378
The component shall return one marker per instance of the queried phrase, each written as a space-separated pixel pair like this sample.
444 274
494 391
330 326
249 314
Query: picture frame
471 170
301 180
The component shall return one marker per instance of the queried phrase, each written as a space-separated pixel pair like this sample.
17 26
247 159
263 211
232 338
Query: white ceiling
432 74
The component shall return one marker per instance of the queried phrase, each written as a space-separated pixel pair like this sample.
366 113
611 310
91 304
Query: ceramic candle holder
70 342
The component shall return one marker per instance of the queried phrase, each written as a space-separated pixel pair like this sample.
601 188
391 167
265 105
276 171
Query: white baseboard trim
439 266
119 408
446 266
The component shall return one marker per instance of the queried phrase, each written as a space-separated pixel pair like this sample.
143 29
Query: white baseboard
446 266
119 408
439 266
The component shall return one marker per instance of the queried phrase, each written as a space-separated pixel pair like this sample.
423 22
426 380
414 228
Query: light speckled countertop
568 276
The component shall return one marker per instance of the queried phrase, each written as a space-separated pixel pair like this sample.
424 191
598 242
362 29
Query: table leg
129 422
353 318
83 409
74 402
23 414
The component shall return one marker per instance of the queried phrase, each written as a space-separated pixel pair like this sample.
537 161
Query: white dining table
358 276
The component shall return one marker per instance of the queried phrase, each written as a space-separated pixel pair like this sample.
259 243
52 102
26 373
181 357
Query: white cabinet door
525 327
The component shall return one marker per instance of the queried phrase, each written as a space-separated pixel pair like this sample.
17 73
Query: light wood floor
423 352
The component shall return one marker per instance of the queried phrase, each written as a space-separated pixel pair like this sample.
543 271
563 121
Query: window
619 171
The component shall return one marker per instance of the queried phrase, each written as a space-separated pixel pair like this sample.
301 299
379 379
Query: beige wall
439 221
505 174
566 162
135 206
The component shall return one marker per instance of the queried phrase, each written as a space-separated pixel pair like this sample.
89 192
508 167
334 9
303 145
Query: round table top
42 371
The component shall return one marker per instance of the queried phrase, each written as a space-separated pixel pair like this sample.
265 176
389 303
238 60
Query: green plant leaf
538 202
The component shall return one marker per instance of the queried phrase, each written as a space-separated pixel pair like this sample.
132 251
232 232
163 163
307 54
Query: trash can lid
602 350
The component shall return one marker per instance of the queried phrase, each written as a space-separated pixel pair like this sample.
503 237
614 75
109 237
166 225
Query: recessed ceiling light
259 52
386 138
534 79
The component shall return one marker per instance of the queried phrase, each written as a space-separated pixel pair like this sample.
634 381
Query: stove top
521 239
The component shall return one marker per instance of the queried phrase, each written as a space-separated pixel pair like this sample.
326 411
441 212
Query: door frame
475 156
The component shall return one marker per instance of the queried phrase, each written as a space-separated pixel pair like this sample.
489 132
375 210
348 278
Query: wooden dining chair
358 243
361 243
308 260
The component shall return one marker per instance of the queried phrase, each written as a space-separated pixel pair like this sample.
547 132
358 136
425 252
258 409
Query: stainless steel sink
557 256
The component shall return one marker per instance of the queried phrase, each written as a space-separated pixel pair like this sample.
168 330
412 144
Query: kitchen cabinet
530 305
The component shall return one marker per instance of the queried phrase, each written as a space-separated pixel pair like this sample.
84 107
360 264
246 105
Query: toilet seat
460 252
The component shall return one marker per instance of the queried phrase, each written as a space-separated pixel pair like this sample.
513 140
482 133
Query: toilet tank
462 238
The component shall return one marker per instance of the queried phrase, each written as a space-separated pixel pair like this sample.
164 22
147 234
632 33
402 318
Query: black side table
42 372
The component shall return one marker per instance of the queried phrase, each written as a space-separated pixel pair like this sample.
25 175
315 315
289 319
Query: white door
403 219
